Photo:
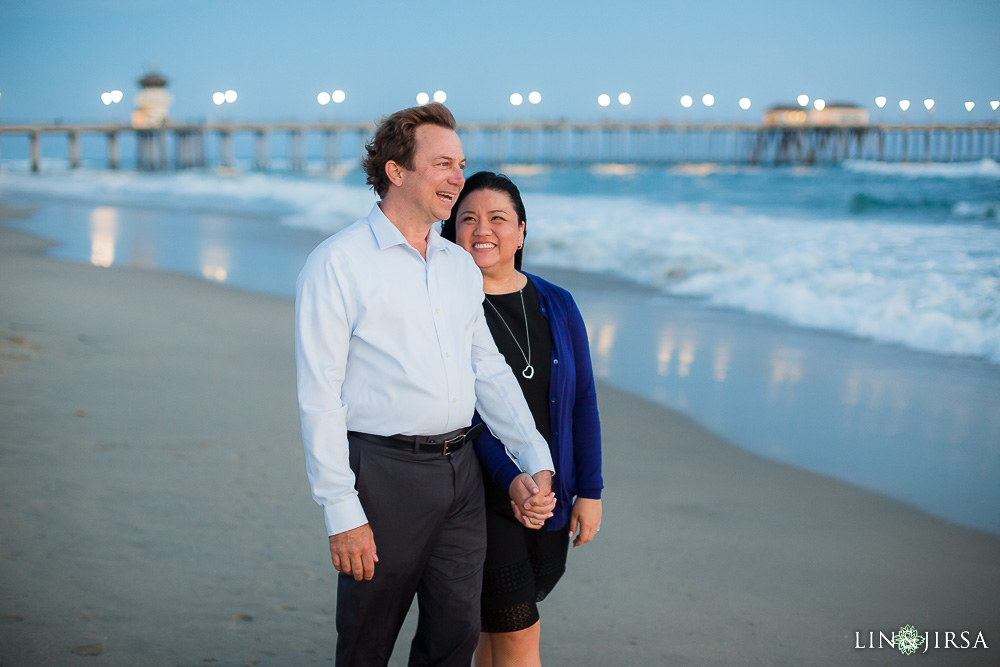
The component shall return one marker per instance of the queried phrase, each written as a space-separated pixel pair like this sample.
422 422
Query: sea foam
931 287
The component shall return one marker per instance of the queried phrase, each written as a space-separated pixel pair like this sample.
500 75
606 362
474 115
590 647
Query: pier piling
548 144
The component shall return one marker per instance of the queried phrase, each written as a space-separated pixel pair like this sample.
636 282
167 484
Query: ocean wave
325 204
980 210
863 203
930 287
979 169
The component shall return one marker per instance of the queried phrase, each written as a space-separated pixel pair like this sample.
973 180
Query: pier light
803 100
423 98
708 99
604 99
338 96
516 99
230 96
969 106
106 98
686 101
744 103
928 104
323 98
440 96
995 104
116 96
534 97
624 99
904 105
219 98
880 101
819 105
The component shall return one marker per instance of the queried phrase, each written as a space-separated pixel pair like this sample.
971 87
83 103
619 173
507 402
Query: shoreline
156 508
868 413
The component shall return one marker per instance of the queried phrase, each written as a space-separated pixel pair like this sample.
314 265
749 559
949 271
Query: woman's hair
487 180
396 140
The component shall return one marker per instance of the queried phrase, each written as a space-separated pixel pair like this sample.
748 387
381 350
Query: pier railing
208 145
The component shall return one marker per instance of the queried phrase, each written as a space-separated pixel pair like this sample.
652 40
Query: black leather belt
443 444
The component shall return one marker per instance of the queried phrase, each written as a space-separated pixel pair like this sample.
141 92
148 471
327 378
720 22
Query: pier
326 146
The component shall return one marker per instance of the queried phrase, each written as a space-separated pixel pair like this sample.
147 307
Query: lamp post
880 102
225 134
904 106
331 146
604 101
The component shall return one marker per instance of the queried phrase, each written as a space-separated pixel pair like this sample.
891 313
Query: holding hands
532 498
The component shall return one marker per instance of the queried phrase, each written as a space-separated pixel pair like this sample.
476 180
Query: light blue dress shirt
388 343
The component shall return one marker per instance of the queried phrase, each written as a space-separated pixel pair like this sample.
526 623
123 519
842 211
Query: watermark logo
909 640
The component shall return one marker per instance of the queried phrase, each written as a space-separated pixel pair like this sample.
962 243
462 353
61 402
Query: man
393 356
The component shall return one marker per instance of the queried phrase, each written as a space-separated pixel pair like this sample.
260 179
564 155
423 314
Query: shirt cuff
536 459
343 516
593 494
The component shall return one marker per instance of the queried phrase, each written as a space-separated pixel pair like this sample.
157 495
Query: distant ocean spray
906 254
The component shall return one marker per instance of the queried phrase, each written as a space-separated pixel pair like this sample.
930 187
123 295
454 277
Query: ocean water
876 360
897 253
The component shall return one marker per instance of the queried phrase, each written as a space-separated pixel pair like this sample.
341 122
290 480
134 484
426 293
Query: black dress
522 565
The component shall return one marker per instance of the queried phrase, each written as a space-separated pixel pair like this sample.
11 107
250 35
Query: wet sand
155 508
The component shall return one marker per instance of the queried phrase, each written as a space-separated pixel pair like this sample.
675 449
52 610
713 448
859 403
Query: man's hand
586 516
543 480
532 503
353 552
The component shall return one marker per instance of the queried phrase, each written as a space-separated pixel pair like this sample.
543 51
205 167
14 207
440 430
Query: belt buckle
451 441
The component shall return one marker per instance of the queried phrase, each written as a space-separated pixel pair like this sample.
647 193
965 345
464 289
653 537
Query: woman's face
488 228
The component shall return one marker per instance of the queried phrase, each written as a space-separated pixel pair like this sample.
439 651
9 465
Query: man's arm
502 406
322 336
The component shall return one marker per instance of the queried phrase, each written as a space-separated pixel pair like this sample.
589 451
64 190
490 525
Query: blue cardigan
575 437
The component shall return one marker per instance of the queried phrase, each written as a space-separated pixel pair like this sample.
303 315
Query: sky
58 56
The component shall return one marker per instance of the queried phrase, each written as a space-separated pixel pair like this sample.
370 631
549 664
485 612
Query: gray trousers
426 512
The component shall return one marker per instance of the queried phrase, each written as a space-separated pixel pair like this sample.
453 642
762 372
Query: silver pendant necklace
529 370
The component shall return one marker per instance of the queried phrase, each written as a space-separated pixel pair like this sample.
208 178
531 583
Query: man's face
431 188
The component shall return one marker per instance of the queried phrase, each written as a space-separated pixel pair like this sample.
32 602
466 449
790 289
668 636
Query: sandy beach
155 509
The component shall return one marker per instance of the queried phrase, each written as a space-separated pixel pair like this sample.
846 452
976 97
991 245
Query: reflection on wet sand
868 414
214 262
103 234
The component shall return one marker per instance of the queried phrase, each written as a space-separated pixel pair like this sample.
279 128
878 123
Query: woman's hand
531 506
586 517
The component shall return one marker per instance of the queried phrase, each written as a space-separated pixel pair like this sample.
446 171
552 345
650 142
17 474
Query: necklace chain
529 370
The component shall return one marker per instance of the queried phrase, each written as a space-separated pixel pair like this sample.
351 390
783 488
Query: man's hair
396 140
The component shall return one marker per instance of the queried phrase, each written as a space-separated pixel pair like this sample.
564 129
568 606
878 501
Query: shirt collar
388 235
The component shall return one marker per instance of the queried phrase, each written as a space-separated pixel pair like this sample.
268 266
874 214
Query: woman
539 330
